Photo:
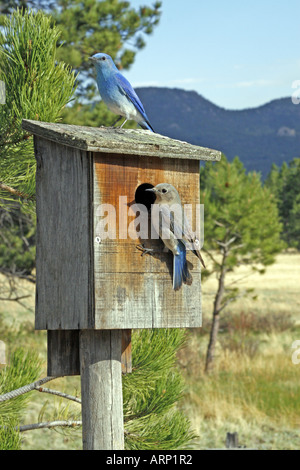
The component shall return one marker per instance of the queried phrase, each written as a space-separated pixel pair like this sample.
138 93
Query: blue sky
236 54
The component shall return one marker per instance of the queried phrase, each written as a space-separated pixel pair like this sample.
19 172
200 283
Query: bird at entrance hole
171 224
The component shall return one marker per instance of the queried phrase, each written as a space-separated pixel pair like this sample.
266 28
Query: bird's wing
128 91
167 221
126 88
180 226
189 236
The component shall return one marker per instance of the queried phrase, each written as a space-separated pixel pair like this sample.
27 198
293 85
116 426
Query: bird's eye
103 58
164 190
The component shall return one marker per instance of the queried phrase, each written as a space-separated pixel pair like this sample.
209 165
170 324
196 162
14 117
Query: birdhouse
91 274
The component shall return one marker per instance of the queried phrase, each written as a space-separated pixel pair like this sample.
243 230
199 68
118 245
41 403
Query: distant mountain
258 136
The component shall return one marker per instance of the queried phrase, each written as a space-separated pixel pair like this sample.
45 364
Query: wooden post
232 440
101 389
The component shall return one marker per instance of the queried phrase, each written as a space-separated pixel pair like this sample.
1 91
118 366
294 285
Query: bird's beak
92 58
153 190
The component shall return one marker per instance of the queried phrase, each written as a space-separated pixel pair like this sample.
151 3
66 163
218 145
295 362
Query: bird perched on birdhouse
117 93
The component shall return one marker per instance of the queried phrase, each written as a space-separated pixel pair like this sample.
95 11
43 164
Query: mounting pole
101 389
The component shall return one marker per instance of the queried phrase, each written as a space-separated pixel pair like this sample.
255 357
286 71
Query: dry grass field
278 290
254 388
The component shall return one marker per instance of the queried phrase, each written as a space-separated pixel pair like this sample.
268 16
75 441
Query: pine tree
37 87
241 227
284 184
110 26
90 26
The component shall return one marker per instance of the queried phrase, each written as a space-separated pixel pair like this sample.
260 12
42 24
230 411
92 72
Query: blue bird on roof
117 93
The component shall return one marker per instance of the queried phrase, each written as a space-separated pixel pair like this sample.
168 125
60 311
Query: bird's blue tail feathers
181 273
146 125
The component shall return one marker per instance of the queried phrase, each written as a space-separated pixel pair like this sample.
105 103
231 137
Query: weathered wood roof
119 141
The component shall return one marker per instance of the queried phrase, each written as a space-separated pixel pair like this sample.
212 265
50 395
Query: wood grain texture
126 358
122 141
101 390
64 288
134 291
63 353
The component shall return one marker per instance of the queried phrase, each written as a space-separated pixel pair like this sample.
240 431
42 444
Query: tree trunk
212 342
216 317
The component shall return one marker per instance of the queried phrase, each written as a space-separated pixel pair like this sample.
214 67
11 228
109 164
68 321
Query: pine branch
25 389
226 244
57 423
16 142
13 191
48 424
58 393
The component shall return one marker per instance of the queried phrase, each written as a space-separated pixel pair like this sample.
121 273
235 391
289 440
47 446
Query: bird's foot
144 250
119 119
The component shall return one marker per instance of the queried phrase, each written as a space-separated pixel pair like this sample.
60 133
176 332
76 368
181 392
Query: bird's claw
145 250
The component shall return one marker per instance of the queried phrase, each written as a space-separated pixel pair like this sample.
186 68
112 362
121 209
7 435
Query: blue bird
169 221
117 93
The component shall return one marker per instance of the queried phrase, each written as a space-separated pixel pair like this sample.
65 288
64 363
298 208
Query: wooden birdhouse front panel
90 277
134 291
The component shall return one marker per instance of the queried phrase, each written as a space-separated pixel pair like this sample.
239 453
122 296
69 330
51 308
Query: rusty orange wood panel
134 291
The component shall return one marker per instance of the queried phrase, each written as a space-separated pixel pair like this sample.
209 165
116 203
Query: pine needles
23 369
151 392
37 87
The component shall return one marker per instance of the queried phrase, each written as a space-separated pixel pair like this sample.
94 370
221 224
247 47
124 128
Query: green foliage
24 368
239 213
8 6
10 439
37 87
92 26
151 392
107 26
241 227
284 184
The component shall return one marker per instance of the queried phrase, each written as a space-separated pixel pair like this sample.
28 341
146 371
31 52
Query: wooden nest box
84 282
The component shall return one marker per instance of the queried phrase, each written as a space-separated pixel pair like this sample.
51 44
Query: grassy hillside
254 388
